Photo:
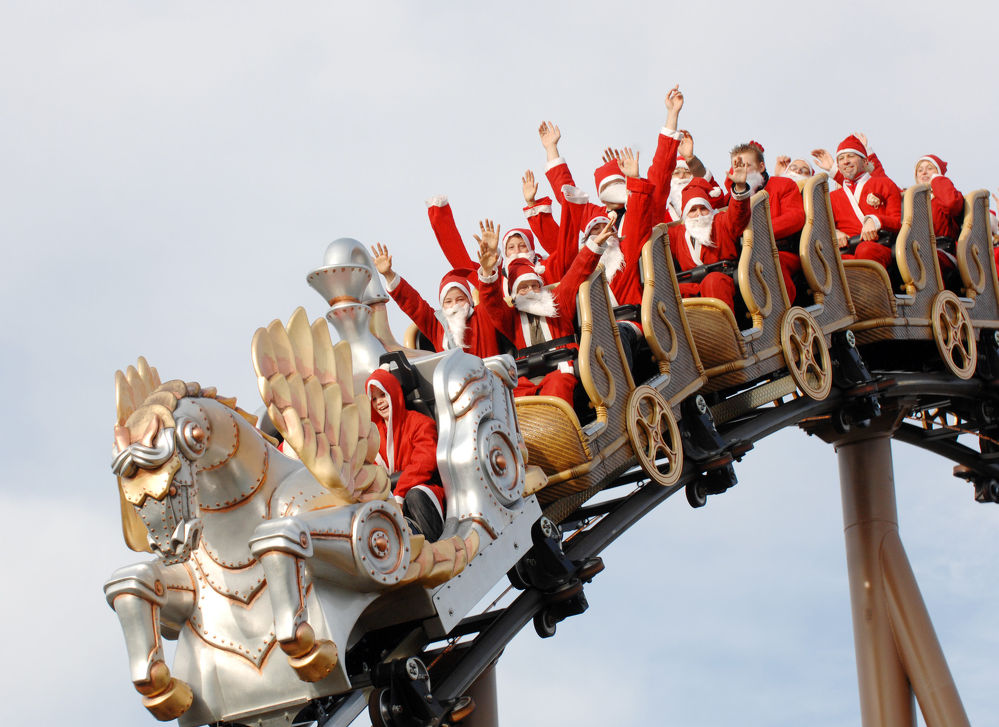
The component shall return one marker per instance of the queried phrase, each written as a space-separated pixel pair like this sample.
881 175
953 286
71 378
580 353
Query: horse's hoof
312 660
164 696
317 663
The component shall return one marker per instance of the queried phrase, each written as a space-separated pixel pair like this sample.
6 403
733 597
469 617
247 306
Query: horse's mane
139 388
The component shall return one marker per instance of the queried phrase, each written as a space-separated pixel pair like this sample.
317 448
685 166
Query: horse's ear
132 386
132 527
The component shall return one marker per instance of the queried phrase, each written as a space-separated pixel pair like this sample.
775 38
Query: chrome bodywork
252 547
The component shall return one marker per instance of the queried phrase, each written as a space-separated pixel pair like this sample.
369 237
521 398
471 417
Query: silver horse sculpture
270 567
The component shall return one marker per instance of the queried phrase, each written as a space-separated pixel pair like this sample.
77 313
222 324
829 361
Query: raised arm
446 232
539 214
490 288
406 296
660 174
556 169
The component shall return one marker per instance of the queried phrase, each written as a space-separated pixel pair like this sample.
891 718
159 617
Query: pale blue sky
172 171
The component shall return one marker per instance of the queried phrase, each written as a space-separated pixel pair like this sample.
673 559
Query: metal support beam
897 649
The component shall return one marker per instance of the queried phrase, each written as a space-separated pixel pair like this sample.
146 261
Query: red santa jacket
446 232
516 325
660 173
480 333
408 440
872 196
626 284
726 228
947 206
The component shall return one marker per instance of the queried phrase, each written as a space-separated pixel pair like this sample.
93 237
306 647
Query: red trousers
555 383
714 285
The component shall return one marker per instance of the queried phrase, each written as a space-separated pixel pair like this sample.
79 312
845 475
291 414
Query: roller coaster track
937 408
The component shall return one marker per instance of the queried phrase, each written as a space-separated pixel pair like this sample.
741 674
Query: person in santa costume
947 208
466 328
824 160
708 235
865 205
787 211
538 316
408 450
798 170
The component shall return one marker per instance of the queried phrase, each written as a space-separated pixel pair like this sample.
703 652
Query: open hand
674 100
610 154
530 187
383 261
686 147
628 162
738 175
823 159
550 135
488 240
783 161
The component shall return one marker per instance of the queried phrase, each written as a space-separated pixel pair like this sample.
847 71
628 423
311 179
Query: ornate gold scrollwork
608 399
767 297
805 353
919 280
978 278
826 284
674 342
954 335
654 436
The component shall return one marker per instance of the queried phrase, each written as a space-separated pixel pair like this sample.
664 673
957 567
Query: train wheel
697 495
544 624
805 353
379 711
654 435
954 335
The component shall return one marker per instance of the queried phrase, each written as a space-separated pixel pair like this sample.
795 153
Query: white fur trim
715 192
931 161
691 203
438 200
394 284
876 221
741 195
671 133
541 209
598 249
554 163
574 194
612 178
851 151
489 279
466 289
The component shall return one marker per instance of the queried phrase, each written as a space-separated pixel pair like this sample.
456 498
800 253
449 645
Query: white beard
457 320
755 182
676 195
612 258
614 193
795 176
537 304
699 229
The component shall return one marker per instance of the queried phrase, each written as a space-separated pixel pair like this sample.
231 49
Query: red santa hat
523 232
698 192
681 163
519 271
851 145
596 218
936 161
609 172
457 278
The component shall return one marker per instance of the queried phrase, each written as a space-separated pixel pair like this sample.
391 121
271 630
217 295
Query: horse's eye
191 438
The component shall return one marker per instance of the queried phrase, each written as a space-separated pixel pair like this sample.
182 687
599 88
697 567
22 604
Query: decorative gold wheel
954 335
654 435
806 353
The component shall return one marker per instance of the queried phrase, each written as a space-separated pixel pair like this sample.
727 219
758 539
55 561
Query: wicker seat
923 309
976 263
821 264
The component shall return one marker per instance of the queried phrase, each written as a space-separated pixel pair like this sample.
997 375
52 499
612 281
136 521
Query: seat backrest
664 322
821 263
975 258
916 251
602 367
759 278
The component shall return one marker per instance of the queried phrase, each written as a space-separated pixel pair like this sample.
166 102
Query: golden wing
131 388
307 385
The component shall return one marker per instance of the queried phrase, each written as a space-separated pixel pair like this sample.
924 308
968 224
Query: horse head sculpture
256 549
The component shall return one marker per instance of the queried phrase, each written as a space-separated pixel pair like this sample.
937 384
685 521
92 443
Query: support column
869 515
898 653
483 691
